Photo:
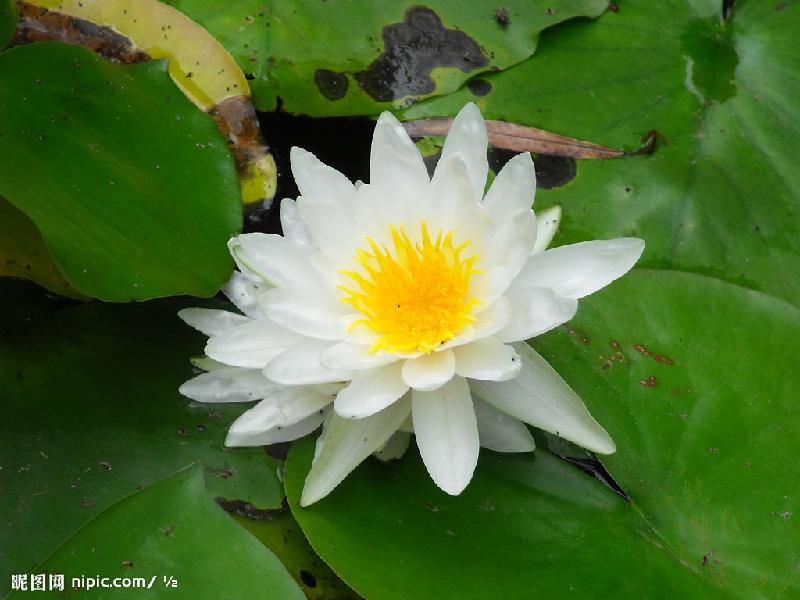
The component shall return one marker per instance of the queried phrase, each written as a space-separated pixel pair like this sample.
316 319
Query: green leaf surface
279 532
92 413
696 380
133 189
23 253
182 545
351 58
721 194
8 21
527 526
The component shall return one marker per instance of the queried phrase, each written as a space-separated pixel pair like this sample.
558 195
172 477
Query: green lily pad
8 21
695 379
344 58
721 194
526 526
174 537
133 188
279 532
91 414
23 253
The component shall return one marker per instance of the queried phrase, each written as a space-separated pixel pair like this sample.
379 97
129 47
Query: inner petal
414 293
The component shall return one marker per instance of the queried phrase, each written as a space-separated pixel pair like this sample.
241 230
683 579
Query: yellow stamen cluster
415 295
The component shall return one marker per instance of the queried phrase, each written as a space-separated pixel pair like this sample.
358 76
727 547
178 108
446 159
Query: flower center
415 296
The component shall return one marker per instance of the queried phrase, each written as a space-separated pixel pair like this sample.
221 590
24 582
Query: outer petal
345 443
371 391
499 432
317 181
540 397
487 322
395 448
281 409
299 365
467 138
292 225
272 258
547 222
429 371
277 434
488 359
395 164
447 434
534 311
452 198
251 344
243 292
314 314
229 384
210 321
347 355
512 191
581 269
511 247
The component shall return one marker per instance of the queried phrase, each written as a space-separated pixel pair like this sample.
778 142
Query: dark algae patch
413 49
331 84
479 87
551 171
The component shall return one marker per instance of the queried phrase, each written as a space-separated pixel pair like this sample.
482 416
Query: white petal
335 242
451 197
535 311
395 163
581 269
547 222
208 364
487 322
395 448
512 191
210 321
280 409
488 359
540 397
273 259
317 181
429 371
251 344
229 384
467 138
315 315
511 247
447 434
277 434
499 432
347 355
345 443
243 292
300 365
292 225
371 391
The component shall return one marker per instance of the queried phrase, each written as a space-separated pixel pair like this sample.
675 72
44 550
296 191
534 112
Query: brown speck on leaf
87 502
706 557
642 349
663 359
127 565
714 450
618 356
785 515
649 382
224 473
451 533
613 7
614 344
105 464
501 16
487 507
431 507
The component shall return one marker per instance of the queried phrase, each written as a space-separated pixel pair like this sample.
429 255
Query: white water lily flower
406 302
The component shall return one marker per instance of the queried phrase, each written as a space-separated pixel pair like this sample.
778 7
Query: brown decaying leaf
519 138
